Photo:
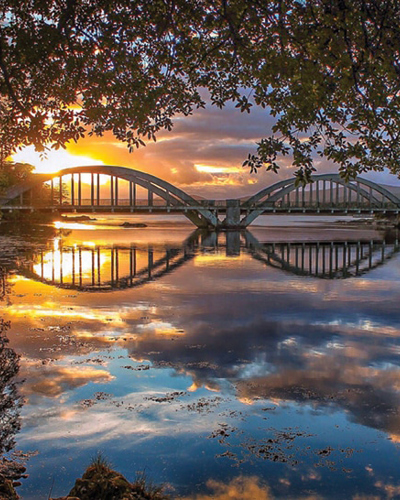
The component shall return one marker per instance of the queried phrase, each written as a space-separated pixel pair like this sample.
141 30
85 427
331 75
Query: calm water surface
266 362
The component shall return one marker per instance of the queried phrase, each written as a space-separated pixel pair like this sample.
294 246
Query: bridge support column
232 219
232 243
209 239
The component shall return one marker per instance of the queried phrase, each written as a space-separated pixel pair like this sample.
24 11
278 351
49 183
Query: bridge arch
326 192
324 259
105 268
172 196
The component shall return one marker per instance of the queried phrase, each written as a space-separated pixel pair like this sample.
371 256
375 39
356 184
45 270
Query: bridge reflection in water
327 260
103 267
106 268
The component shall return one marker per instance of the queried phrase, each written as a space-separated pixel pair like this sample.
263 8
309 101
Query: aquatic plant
101 482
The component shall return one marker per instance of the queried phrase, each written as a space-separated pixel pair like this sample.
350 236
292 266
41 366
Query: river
266 362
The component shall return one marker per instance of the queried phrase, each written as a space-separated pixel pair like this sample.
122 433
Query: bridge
115 267
106 188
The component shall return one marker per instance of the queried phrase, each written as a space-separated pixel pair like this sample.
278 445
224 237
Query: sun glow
63 266
210 169
52 161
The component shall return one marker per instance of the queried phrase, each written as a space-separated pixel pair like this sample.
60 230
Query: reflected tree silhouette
12 465
10 401
2 284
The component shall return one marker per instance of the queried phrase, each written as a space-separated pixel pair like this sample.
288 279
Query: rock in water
102 482
133 224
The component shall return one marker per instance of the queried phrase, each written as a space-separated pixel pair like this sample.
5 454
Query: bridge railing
311 204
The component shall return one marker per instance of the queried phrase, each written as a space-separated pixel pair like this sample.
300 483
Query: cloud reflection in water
254 333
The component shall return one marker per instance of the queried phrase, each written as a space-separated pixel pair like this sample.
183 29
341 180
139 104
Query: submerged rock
78 218
133 224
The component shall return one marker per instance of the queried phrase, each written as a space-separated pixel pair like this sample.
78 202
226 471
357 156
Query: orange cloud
391 491
240 488
52 381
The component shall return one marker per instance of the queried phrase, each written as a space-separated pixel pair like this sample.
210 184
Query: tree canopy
327 70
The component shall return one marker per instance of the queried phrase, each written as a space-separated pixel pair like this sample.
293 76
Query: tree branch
7 80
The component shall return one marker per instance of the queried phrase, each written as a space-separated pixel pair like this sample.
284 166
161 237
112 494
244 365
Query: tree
327 70
12 173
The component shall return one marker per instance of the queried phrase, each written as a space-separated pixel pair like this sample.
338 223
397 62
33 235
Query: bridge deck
220 209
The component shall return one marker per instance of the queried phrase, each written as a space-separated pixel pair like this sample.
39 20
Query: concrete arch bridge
106 188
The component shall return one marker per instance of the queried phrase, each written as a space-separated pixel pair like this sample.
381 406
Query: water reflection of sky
223 374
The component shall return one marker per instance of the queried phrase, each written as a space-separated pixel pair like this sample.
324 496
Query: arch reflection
105 268
325 259
90 267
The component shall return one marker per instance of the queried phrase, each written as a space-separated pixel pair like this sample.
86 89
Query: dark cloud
229 123
211 137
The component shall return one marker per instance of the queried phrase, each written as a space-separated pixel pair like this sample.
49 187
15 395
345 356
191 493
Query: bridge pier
232 219
232 243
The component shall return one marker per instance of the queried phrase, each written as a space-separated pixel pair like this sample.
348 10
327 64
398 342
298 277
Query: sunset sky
202 155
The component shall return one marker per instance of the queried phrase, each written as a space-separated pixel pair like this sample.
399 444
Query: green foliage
144 487
12 173
100 463
327 70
